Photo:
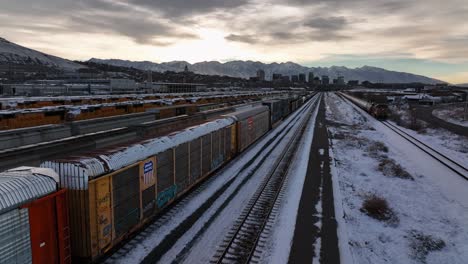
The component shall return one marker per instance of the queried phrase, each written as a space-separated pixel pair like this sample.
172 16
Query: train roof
24 184
248 111
79 170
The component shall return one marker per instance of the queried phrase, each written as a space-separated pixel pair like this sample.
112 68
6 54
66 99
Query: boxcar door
43 224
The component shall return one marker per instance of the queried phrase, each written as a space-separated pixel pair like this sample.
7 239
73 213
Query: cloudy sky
428 37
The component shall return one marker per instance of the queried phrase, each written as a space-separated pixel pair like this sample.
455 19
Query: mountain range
246 69
11 53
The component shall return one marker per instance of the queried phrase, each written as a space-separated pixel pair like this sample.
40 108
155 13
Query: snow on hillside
13 53
245 69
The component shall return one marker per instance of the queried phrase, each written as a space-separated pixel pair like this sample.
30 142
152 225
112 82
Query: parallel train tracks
242 241
169 237
446 161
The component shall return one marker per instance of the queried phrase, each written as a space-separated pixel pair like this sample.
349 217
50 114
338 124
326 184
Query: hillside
11 53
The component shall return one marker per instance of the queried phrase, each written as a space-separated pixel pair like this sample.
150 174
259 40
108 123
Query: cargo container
251 124
33 217
172 111
276 111
113 192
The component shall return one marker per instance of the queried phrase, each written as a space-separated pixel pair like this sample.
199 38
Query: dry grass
421 245
391 169
378 208
376 148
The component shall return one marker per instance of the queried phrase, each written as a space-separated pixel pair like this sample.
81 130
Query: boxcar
112 193
172 111
251 124
33 217
276 113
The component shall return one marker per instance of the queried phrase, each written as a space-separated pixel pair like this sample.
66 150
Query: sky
428 37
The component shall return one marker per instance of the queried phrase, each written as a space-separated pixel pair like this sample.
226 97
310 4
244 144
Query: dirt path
315 232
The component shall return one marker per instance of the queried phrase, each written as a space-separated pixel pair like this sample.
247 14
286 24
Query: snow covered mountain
245 69
11 53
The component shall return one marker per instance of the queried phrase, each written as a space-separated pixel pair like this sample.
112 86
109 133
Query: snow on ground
444 141
453 115
427 216
144 245
204 247
279 243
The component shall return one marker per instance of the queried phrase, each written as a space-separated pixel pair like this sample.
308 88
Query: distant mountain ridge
246 69
11 53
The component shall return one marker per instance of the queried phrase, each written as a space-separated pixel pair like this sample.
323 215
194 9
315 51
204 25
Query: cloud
327 23
286 30
86 16
250 39
170 8
291 30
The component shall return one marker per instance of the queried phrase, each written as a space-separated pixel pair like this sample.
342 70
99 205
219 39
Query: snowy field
399 205
453 115
446 142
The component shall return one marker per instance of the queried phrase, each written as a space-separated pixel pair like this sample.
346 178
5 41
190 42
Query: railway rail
242 241
446 161
170 236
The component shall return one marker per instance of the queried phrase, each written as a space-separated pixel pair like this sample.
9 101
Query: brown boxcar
110 200
252 123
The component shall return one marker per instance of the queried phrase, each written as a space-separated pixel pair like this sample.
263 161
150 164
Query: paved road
425 113
317 187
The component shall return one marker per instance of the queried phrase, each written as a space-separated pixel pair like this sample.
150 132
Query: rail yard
228 177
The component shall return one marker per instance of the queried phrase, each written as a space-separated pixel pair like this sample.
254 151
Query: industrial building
172 87
69 87
325 80
261 75
302 77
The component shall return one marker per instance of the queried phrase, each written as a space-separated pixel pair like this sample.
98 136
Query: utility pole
465 116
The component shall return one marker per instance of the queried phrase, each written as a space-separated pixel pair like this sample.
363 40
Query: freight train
112 193
34 224
39 102
50 113
377 110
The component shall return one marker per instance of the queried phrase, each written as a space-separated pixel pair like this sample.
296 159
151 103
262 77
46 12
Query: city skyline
428 38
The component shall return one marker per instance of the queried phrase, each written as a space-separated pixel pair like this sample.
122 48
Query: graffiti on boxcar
104 213
165 196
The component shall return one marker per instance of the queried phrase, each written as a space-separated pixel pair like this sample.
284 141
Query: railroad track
241 243
446 161
454 166
169 237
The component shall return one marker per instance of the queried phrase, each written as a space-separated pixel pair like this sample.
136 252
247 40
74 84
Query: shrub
391 169
377 208
421 245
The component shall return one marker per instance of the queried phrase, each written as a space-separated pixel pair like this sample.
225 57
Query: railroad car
34 224
62 109
113 192
377 110
251 124
276 113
